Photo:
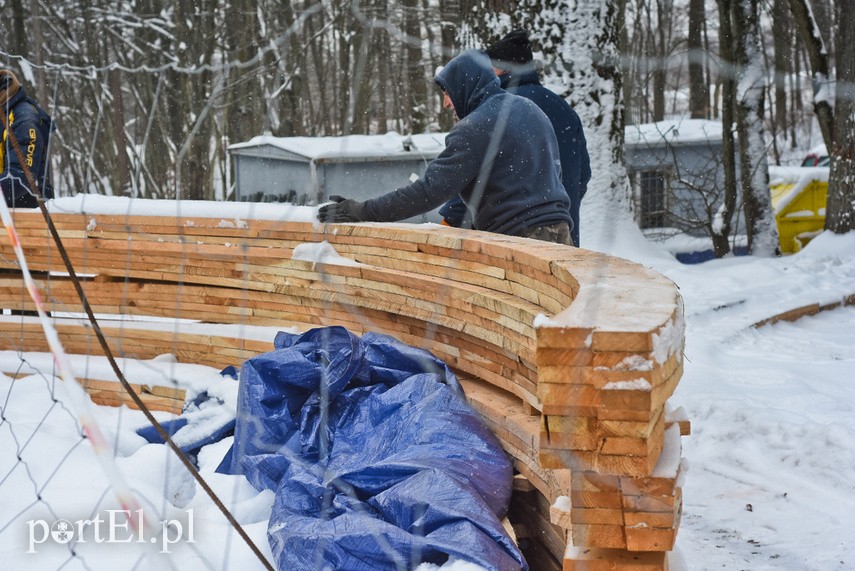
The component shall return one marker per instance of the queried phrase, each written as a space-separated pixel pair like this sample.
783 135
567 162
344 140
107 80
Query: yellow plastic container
798 201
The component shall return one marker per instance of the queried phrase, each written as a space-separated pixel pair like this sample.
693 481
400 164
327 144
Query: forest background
148 94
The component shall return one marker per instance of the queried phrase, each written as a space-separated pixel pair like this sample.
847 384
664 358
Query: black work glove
342 210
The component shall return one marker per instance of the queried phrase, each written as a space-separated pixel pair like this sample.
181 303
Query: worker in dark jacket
501 158
30 126
511 58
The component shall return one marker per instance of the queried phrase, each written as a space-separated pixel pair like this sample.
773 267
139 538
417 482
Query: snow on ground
771 481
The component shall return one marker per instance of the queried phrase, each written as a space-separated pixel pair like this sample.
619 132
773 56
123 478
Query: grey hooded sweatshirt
502 158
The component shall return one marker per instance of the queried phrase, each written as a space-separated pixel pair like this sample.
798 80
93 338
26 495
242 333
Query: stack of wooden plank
624 512
604 388
111 393
569 355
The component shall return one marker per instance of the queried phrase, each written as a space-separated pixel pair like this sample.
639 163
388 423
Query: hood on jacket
467 79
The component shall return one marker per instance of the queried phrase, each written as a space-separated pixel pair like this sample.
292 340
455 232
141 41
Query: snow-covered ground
771 483
771 480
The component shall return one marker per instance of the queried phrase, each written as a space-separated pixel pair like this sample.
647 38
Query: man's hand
342 210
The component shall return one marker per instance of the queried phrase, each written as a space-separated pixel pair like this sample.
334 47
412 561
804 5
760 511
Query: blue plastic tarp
376 459
204 420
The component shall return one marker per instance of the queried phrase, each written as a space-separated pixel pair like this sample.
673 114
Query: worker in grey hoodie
501 157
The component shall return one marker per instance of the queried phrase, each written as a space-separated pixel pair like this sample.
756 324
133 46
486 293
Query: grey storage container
308 170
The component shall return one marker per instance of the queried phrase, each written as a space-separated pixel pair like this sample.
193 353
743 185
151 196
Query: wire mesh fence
178 301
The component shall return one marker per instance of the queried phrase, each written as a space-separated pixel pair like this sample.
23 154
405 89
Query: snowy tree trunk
17 30
191 99
818 57
659 56
588 60
38 43
699 93
580 60
840 210
244 118
722 228
754 166
414 79
121 175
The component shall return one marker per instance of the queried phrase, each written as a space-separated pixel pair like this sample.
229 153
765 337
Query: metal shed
308 170
677 175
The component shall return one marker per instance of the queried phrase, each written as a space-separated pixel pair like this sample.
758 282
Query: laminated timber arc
569 355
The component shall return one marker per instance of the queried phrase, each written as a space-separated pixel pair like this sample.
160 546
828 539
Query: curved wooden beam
569 355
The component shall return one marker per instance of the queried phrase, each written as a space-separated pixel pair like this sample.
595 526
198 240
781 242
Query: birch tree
590 60
580 40
761 227
578 51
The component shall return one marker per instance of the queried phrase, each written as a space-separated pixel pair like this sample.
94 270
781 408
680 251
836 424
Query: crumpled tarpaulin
376 459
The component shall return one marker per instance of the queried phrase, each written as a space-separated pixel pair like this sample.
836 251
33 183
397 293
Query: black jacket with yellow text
31 128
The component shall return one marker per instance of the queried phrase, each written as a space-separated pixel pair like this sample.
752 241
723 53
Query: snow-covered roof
673 131
431 144
369 146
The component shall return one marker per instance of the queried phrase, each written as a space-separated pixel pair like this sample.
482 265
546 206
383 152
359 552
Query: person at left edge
31 127
501 157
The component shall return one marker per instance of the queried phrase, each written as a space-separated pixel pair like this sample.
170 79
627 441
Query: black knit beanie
514 49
